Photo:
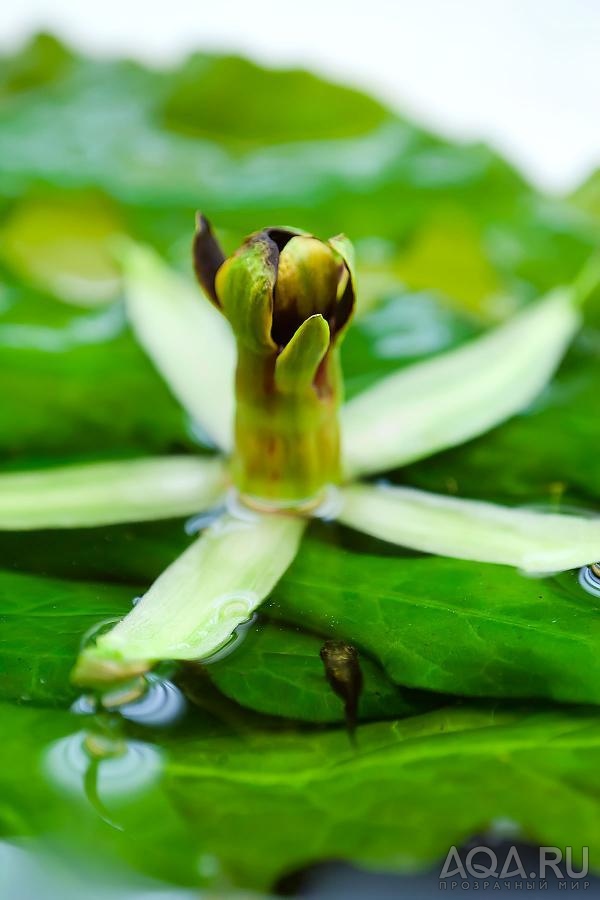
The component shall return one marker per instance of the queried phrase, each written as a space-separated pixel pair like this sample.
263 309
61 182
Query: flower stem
287 443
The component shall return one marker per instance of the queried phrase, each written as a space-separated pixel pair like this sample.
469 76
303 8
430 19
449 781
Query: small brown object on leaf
342 670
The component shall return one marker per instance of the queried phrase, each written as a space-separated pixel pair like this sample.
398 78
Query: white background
522 74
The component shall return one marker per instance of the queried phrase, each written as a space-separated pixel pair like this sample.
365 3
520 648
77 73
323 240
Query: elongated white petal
186 338
445 401
469 529
196 604
106 493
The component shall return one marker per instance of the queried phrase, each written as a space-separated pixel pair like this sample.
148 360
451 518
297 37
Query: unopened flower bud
288 297
277 280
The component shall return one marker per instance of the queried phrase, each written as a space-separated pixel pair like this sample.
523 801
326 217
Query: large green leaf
449 625
422 785
252 804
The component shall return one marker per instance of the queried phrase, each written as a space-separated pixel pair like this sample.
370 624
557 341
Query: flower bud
287 296
278 279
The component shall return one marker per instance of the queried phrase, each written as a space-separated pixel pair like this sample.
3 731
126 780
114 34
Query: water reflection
133 766
203 520
236 638
152 701
589 579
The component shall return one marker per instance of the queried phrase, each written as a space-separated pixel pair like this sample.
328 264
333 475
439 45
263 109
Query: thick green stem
287 444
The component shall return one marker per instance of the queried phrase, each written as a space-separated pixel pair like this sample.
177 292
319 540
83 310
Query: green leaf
64 373
164 142
448 625
446 401
226 97
186 338
441 625
109 492
62 245
44 621
278 671
134 554
196 604
43 60
398 800
447 253
292 801
535 542
48 801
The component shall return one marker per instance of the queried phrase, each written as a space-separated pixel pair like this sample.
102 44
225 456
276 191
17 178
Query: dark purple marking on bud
208 256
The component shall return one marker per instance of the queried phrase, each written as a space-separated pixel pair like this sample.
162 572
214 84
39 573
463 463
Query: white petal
445 401
107 493
186 338
469 529
195 605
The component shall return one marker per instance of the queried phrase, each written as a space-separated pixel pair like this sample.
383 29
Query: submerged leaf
468 529
196 604
407 792
186 338
399 799
448 400
106 493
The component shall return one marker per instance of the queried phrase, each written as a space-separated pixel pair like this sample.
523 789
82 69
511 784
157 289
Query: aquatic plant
288 298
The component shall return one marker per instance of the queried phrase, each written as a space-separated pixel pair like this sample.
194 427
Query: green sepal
297 364
244 287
